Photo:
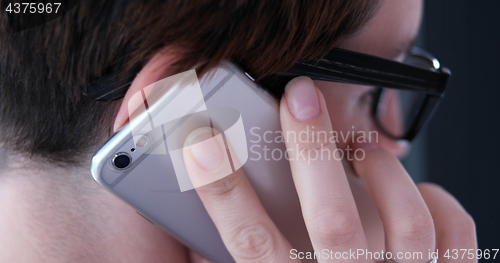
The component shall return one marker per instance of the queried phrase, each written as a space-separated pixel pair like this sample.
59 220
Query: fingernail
205 148
403 143
302 98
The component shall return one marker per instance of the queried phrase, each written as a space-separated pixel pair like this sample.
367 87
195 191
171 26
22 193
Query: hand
419 218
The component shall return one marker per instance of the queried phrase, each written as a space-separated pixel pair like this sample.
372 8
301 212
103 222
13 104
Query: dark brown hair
43 69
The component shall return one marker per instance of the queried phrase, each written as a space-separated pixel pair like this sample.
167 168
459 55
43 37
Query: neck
52 213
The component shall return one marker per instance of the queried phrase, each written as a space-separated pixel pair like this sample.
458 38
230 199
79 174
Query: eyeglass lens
397 110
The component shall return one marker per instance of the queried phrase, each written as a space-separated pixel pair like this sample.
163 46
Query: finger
455 228
246 229
330 213
408 225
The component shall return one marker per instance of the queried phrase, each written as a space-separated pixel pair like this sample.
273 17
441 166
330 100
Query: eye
366 97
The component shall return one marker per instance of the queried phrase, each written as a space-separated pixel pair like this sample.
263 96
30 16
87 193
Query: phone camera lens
121 160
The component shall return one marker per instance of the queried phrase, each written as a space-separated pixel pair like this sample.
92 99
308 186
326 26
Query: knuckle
254 242
335 229
310 141
314 150
415 229
224 188
314 146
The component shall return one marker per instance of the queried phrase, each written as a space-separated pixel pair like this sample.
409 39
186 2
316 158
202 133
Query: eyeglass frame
343 66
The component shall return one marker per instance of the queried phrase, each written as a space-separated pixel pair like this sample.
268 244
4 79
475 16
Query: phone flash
141 142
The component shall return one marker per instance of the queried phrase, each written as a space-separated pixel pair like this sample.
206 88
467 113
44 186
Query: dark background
462 143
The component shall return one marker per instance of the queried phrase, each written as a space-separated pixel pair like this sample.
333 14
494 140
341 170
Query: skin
412 220
79 221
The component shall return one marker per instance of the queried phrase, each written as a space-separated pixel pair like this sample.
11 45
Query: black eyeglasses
404 100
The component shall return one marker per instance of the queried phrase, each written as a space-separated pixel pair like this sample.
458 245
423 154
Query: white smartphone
148 182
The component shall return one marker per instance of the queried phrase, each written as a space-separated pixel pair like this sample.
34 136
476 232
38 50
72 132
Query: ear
157 68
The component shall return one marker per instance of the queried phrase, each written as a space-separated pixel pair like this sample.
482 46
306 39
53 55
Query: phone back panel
151 187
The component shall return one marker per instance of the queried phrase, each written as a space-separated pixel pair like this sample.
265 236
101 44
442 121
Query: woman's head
389 34
44 69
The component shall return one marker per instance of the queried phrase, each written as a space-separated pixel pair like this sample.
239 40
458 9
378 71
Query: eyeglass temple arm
111 87
351 67
338 65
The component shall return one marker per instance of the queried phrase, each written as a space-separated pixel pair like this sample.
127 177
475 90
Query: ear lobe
157 68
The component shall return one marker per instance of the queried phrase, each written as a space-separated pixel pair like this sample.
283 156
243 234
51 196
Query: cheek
349 109
389 112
